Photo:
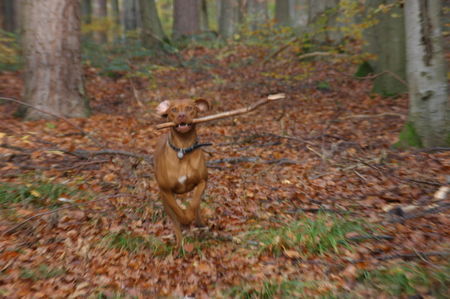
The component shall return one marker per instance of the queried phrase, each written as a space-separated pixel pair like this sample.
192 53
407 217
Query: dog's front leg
175 213
194 207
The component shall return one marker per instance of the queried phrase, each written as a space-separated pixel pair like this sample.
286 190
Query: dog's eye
188 108
174 110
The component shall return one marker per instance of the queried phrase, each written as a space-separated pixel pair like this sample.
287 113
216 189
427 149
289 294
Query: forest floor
306 197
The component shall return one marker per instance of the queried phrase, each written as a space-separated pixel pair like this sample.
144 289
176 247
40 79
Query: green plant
117 58
9 51
132 243
407 279
307 236
41 272
40 192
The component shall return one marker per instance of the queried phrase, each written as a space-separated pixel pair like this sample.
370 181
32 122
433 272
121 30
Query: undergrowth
41 272
409 279
127 241
307 236
38 193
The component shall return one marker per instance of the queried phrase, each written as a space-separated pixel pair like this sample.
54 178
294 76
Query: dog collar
181 152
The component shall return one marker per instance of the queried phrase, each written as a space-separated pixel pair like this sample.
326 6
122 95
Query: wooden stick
270 98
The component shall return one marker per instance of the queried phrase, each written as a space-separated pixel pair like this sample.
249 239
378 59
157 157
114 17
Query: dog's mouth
183 127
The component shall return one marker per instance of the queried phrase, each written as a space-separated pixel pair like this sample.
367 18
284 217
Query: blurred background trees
369 33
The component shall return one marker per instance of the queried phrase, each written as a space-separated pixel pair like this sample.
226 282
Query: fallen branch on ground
270 98
313 54
413 255
442 207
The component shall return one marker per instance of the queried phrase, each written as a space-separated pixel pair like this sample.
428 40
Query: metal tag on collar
180 154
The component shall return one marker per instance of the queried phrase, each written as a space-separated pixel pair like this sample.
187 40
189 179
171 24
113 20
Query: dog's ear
162 108
202 105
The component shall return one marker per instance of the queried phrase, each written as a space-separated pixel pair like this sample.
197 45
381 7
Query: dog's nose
181 116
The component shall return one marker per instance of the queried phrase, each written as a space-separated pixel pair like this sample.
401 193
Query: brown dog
179 163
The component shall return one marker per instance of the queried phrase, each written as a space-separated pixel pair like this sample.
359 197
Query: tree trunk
204 16
152 34
322 16
257 13
101 13
387 42
130 15
53 70
9 14
228 19
116 11
186 18
86 11
282 14
429 109
299 14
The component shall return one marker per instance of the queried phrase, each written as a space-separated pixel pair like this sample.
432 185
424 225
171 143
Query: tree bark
228 19
429 109
152 33
53 69
186 18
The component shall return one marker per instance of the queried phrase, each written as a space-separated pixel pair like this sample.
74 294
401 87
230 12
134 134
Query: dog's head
182 112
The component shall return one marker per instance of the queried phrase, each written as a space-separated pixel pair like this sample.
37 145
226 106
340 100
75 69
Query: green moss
364 69
408 137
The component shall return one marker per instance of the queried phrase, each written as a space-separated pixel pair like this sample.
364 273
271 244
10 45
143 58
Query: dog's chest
186 174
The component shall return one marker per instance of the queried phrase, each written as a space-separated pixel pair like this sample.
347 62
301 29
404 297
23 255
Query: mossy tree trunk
386 40
53 69
429 109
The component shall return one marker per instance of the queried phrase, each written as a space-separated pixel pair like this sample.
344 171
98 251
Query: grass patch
409 279
307 236
40 193
41 272
269 289
132 243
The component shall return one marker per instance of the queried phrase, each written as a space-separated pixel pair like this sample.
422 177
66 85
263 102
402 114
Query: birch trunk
53 70
429 109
